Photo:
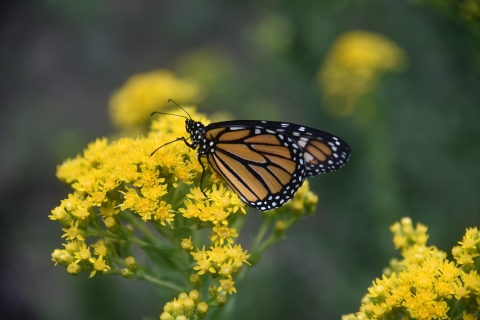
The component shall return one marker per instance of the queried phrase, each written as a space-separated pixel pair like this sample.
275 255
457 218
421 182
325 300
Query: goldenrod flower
99 265
204 264
144 93
83 254
227 285
352 67
221 234
427 286
187 244
74 232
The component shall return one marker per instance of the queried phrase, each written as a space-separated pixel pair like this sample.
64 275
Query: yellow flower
83 253
217 254
227 285
226 269
187 244
99 265
203 263
73 268
144 93
468 316
223 233
427 286
62 256
74 232
164 213
352 67
100 249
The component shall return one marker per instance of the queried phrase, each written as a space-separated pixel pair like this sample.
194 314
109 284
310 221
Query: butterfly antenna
170 114
178 139
170 100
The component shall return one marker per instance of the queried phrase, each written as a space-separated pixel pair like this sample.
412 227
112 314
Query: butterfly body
265 162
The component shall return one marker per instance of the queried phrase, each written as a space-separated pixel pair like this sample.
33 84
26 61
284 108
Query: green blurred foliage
415 138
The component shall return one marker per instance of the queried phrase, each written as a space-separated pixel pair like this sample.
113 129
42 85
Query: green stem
113 272
161 283
453 309
142 226
261 233
268 243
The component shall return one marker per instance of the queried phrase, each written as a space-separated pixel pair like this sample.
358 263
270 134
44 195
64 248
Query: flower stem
140 225
261 233
161 283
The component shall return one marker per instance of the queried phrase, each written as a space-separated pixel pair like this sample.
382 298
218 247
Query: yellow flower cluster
122 176
144 93
425 284
353 66
124 200
77 257
187 306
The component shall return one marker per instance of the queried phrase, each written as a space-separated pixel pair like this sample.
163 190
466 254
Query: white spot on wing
308 157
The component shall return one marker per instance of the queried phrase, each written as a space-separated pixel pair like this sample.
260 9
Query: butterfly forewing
265 168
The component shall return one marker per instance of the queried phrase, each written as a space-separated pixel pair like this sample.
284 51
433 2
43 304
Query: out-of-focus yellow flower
427 285
144 93
352 67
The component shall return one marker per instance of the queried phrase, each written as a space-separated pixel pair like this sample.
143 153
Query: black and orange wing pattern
265 162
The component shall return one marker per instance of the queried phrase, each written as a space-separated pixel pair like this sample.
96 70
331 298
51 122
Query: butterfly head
196 129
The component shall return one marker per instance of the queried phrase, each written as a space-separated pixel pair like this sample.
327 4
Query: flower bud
194 295
74 269
280 227
166 316
177 307
297 207
188 306
212 290
195 280
127 274
111 225
131 263
187 244
202 309
221 300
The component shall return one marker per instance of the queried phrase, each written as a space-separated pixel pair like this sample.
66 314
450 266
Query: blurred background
398 80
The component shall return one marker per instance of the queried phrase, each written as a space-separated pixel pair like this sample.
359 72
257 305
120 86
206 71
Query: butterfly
263 162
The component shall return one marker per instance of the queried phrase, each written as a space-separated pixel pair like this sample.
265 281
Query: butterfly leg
203 172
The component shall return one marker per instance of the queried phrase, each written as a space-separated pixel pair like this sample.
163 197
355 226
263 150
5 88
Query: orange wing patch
234 135
281 175
322 147
242 151
278 150
317 154
264 139
267 177
254 184
287 165
212 134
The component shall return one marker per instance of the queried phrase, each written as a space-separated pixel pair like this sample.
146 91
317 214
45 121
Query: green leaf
182 232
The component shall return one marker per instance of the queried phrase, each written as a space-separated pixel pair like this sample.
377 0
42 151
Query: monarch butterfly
264 162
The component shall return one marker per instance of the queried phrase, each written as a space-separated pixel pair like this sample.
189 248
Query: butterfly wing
322 152
265 162
263 168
